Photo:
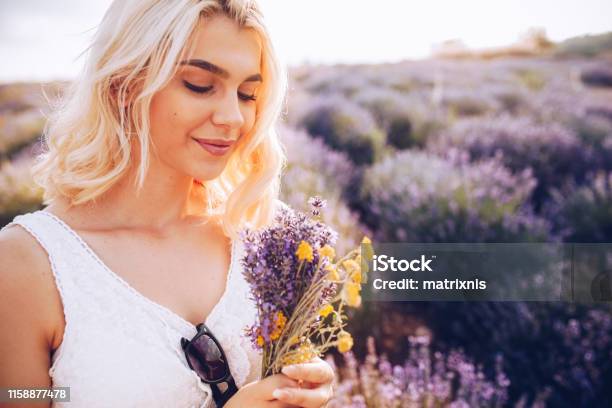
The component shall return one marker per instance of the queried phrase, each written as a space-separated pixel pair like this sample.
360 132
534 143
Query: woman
163 150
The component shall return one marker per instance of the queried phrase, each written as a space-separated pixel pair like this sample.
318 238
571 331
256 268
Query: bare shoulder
26 277
28 308
24 261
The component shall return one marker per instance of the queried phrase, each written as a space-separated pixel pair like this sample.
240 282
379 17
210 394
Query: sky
42 40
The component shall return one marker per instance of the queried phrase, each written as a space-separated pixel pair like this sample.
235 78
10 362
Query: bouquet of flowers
300 288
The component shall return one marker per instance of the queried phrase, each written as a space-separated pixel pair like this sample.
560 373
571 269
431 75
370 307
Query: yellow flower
326 310
304 251
281 319
328 252
352 288
355 302
362 265
280 323
353 270
350 265
351 294
345 341
260 341
368 251
293 340
356 277
304 353
332 272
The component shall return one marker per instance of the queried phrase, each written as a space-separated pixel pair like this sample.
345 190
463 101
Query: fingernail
280 394
288 370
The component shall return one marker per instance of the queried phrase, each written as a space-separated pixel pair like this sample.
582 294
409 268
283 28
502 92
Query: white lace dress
121 349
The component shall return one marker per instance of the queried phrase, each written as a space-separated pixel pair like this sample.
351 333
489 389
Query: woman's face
209 102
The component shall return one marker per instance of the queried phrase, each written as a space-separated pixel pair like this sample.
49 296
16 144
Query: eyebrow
217 70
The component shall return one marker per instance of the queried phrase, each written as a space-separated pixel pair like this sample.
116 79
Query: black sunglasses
205 356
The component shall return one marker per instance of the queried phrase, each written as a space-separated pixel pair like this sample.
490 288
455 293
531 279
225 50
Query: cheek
163 115
249 120
171 115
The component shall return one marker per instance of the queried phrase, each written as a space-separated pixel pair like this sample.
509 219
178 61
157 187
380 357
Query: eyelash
206 89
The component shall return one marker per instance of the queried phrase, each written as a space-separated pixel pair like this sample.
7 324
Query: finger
280 404
313 398
315 372
267 386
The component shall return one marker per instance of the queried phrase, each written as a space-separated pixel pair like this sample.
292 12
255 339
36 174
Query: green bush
346 127
18 192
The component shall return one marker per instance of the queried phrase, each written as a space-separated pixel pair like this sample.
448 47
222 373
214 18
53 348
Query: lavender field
500 150
504 150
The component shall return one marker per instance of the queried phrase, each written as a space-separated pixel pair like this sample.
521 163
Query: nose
228 113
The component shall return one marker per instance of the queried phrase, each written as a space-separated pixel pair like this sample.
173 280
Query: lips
216 147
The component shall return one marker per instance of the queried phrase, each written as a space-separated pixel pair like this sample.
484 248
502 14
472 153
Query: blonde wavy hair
135 52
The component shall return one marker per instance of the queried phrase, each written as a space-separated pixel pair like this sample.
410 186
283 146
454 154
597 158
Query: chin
207 175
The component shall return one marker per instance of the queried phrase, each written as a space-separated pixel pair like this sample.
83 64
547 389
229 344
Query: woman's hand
259 394
316 379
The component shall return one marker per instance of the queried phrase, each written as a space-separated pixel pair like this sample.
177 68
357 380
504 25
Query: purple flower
424 379
272 268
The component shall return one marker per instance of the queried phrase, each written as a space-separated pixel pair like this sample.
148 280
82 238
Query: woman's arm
26 324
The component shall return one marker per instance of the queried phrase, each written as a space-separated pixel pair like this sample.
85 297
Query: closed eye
198 89
247 97
205 89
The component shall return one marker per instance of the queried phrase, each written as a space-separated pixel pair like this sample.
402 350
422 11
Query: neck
167 199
